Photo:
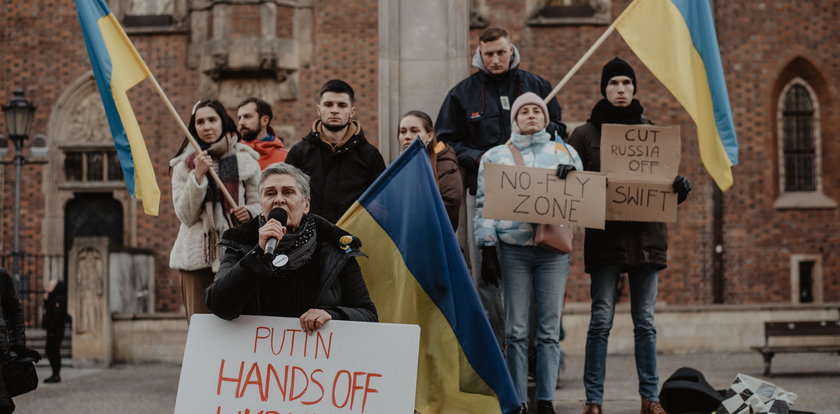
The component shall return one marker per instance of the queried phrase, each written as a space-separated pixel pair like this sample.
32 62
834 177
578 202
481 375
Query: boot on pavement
652 407
592 409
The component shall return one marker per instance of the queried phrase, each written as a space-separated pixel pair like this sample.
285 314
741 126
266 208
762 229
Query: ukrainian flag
676 40
117 67
416 274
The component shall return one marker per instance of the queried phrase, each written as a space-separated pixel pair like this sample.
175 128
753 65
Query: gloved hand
24 352
564 169
490 272
682 187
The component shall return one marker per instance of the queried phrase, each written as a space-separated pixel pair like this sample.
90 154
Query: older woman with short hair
317 279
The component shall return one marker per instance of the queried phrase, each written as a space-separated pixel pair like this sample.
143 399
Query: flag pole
577 65
186 131
580 62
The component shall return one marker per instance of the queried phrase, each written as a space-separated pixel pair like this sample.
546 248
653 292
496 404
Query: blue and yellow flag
117 67
416 274
676 40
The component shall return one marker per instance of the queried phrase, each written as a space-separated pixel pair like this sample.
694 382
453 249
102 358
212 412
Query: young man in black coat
636 248
335 154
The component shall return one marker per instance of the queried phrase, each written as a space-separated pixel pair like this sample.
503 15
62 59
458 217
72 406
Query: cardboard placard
536 195
640 152
641 162
262 364
641 201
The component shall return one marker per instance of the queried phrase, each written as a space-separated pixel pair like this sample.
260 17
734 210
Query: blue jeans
642 301
527 268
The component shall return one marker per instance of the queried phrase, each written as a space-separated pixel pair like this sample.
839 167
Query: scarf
606 113
215 216
298 246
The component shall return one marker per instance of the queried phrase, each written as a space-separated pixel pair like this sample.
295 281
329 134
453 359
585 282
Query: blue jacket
472 118
537 151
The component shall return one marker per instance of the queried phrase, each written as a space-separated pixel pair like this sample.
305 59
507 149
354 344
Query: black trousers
54 350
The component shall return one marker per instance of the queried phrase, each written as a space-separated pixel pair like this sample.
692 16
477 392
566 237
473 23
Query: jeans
642 281
527 268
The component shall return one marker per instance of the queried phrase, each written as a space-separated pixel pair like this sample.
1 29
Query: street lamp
19 113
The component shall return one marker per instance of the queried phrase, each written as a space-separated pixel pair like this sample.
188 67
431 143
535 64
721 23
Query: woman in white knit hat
510 254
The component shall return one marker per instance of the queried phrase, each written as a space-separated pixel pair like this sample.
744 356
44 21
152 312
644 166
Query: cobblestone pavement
151 388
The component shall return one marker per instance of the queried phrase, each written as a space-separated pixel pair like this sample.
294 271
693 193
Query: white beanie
526 99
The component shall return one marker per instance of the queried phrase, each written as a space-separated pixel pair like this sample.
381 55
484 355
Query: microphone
280 215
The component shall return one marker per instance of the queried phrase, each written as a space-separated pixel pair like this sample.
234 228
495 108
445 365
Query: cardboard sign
640 152
641 162
268 365
641 201
536 195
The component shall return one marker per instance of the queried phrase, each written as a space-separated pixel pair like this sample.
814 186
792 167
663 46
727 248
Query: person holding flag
199 203
636 248
509 253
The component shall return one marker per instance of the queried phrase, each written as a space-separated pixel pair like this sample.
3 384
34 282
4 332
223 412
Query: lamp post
19 113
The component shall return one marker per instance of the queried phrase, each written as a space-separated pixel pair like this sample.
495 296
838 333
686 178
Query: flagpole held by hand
230 200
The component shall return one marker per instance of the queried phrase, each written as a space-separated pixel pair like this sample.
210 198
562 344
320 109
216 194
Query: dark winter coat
11 330
626 243
472 119
55 309
341 291
449 180
337 177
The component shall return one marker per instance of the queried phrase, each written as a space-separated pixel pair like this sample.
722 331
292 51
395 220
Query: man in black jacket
340 162
636 248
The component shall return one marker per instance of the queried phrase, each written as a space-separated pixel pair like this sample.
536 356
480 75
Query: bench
797 329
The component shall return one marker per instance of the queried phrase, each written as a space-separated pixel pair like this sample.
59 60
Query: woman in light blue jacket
508 252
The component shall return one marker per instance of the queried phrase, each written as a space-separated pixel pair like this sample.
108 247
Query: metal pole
16 253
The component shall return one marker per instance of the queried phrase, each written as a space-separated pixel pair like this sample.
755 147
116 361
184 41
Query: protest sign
536 195
269 365
641 162
641 201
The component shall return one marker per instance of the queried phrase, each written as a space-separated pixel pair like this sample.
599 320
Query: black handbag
20 376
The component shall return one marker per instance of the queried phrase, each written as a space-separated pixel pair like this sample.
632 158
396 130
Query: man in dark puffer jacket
335 154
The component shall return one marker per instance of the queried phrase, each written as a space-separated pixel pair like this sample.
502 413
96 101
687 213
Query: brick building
767 240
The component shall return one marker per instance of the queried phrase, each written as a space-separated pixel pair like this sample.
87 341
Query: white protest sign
641 162
536 195
268 365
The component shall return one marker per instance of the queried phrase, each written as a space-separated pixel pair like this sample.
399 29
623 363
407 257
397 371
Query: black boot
523 409
52 379
545 407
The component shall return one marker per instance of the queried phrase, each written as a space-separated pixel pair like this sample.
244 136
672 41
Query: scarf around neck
298 246
606 113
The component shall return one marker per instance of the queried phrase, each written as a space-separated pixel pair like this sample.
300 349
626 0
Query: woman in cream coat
200 205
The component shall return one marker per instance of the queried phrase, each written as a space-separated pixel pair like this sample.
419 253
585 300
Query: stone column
88 301
423 52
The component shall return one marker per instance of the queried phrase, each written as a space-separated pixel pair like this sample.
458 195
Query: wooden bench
798 329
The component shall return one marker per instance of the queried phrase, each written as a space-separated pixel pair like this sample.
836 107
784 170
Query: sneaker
592 409
523 409
52 379
545 407
652 407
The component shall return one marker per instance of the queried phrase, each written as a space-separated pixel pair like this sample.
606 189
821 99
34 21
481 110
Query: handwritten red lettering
222 378
318 383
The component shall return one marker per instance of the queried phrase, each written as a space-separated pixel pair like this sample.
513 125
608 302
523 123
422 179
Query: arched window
798 139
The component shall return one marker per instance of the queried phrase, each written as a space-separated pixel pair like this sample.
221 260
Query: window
89 166
798 129
806 278
798 140
568 12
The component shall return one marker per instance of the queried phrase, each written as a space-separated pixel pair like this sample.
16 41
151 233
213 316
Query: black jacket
55 309
11 331
472 119
337 178
625 243
342 291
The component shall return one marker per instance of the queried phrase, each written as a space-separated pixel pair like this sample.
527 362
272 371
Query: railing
35 271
